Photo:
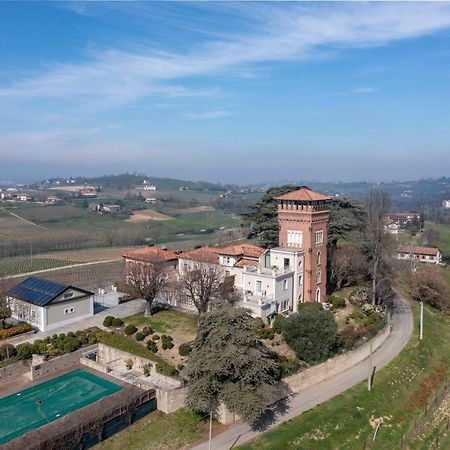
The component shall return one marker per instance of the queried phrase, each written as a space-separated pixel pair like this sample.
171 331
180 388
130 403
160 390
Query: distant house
24 198
402 218
421 254
52 199
151 200
47 305
146 187
391 227
446 204
87 193
111 208
94 207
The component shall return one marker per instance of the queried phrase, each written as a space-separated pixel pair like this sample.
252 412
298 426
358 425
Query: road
402 327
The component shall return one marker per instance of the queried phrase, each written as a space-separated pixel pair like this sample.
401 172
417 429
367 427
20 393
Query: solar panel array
37 291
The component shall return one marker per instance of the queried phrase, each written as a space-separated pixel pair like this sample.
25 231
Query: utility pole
210 429
421 321
369 375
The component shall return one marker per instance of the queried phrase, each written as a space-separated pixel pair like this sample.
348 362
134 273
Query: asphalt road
402 326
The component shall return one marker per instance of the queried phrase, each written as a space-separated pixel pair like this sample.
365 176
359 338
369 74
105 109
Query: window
300 279
318 276
294 238
227 273
258 286
284 305
318 295
318 258
286 263
68 295
226 260
267 260
285 285
319 237
69 311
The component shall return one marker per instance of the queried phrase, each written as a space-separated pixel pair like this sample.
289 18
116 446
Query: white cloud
116 77
206 115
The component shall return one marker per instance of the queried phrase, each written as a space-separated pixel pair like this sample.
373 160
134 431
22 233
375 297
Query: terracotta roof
303 194
150 254
250 250
245 262
418 250
202 254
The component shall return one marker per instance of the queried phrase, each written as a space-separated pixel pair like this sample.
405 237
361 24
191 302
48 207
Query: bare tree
147 281
377 240
429 285
348 265
202 285
5 310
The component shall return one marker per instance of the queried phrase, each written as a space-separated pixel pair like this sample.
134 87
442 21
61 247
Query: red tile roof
245 262
151 254
303 194
249 250
202 254
406 248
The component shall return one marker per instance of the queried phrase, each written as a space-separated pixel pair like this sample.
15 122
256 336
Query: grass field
176 323
403 391
443 240
159 431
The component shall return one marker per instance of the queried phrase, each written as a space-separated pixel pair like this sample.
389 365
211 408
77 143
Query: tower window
318 258
318 276
285 285
319 237
294 238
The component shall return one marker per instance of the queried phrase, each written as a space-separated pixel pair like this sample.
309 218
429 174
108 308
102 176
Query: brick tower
303 218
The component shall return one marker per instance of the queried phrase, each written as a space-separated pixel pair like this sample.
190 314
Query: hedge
13 331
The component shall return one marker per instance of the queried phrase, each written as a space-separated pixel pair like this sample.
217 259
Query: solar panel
37 290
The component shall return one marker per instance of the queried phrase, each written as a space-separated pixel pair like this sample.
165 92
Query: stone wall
12 371
170 400
41 368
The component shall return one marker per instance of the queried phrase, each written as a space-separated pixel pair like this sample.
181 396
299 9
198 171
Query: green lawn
400 396
443 240
176 323
158 431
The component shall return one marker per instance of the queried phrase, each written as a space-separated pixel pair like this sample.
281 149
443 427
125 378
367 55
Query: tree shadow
275 410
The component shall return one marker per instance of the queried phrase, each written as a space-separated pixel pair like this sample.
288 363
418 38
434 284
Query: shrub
108 321
184 349
117 322
265 333
39 347
259 323
146 368
164 337
151 345
166 369
130 329
359 296
180 367
167 345
155 337
352 336
7 351
317 306
139 336
25 350
71 345
129 363
277 324
147 331
311 334
13 331
337 302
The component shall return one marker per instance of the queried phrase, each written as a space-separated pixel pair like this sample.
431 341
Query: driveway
402 327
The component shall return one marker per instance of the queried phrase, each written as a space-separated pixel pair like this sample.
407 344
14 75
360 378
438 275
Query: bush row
13 331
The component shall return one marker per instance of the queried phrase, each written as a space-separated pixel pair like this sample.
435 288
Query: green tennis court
45 402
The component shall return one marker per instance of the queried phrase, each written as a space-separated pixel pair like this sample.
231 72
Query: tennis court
45 402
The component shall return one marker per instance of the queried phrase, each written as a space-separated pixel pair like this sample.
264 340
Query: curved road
402 327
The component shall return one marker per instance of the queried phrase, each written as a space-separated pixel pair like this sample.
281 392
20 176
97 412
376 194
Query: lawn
443 239
159 431
176 323
403 391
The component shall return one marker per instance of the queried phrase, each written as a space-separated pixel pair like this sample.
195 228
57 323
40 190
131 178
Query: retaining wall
15 370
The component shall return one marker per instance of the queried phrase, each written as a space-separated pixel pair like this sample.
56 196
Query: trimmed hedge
117 322
139 336
130 329
151 345
108 321
184 349
13 331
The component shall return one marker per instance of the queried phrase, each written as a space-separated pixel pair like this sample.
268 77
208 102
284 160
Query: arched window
318 258
318 276
318 295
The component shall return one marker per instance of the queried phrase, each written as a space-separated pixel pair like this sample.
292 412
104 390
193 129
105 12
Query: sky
227 92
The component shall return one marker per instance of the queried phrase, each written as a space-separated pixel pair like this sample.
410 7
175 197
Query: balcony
273 271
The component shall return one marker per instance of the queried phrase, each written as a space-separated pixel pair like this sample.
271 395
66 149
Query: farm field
144 215
21 264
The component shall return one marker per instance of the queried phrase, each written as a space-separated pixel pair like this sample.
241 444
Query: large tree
204 284
377 240
311 333
348 265
229 365
147 281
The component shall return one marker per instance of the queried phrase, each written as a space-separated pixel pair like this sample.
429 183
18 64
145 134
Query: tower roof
303 194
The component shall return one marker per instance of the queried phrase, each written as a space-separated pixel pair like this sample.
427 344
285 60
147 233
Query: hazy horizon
225 92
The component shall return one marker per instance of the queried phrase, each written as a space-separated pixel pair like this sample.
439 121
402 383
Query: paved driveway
402 324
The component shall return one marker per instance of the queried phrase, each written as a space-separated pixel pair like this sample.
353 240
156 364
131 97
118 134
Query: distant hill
130 180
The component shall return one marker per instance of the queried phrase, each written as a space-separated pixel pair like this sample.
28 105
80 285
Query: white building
446 204
47 305
421 254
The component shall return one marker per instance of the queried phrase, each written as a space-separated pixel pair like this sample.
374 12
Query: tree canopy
311 333
229 365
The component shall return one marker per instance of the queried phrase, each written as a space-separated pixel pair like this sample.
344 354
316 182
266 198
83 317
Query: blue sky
230 92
